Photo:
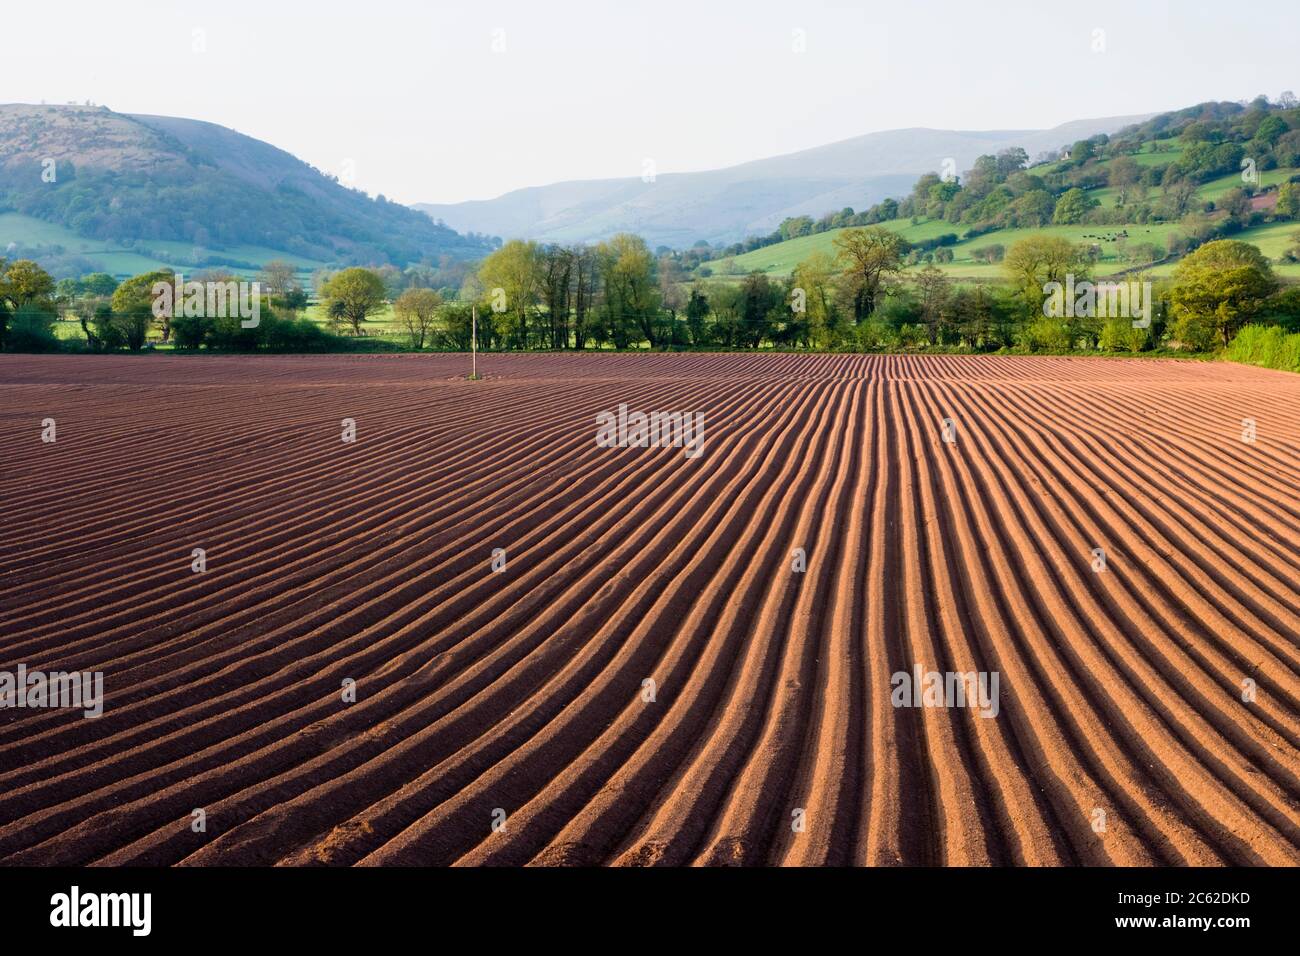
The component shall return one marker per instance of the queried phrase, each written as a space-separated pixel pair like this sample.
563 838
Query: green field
1216 188
113 258
107 257
1272 239
381 323
1146 156
780 258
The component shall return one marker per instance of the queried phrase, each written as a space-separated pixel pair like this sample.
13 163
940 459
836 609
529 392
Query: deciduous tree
514 269
352 295
1036 260
628 275
1221 285
417 311
868 256
133 308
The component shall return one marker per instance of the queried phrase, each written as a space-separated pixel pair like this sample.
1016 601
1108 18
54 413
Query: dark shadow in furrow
1210 762
920 825
380 649
1189 616
259 622
850 785
881 486
444 847
999 851
1155 842
782 772
988 654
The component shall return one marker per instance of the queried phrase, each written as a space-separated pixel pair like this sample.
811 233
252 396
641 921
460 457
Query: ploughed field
644 676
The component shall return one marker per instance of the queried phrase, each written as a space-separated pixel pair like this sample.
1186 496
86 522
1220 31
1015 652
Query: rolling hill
194 193
780 258
725 205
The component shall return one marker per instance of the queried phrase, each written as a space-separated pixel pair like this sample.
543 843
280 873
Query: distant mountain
726 205
114 176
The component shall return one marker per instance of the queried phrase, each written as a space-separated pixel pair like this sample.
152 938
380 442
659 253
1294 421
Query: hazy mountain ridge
725 205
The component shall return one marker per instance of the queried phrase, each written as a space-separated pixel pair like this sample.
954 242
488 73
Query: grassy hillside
28 237
780 258
159 187
1271 238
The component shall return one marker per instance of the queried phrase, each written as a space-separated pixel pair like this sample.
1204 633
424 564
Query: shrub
1046 335
1249 343
913 336
1266 345
32 330
190 332
1284 309
1118 335
103 332
272 333
991 253
874 336
1193 333
301 335
1288 353
228 334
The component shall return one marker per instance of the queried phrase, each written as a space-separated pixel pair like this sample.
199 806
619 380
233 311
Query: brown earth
1121 692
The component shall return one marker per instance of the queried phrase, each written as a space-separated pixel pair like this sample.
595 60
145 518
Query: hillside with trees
1144 196
149 184
959 264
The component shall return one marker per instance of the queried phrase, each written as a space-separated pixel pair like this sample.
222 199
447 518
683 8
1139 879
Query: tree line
617 294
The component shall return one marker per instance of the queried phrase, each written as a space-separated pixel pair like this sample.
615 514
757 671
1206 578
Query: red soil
1120 691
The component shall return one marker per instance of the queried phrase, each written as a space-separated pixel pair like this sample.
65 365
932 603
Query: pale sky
467 99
